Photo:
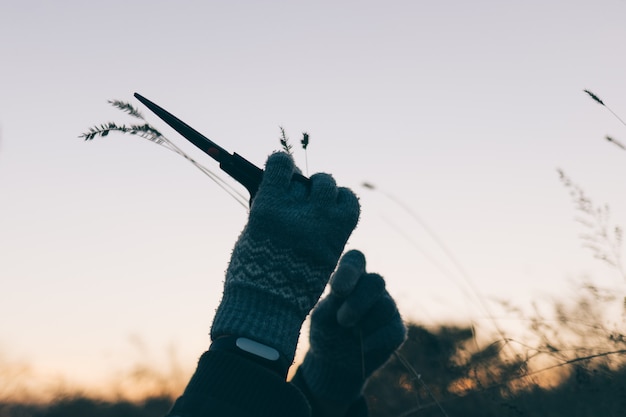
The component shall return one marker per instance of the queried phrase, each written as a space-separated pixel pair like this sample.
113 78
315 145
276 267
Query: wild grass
601 102
571 360
288 147
440 371
147 131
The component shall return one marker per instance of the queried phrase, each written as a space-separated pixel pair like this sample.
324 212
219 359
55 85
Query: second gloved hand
354 331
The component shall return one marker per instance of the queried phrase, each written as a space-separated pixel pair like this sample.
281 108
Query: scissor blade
202 142
242 170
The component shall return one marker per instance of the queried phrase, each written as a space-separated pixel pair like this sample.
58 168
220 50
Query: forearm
280 266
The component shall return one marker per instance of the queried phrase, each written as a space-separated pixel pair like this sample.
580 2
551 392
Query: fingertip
365 295
323 188
375 283
351 267
354 257
349 203
344 280
346 196
279 169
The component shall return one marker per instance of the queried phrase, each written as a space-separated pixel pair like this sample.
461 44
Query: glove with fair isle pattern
285 255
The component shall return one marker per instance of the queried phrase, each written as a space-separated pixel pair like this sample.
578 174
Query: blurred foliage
488 383
90 407
572 363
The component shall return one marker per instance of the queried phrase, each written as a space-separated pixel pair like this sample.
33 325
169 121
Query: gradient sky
114 251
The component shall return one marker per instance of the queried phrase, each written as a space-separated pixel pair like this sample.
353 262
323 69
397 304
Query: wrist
261 317
254 351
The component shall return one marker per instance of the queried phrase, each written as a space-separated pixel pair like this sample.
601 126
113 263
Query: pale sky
114 251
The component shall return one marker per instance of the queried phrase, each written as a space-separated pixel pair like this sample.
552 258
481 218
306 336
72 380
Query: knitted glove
285 255
354 331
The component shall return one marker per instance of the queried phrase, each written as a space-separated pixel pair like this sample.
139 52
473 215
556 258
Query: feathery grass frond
127 108
145 131
595 97
603 239
305 140
598 100
616 142
287 147
150 133
284 141
305 143
477 297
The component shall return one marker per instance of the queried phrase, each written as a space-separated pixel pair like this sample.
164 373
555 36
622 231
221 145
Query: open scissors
242 170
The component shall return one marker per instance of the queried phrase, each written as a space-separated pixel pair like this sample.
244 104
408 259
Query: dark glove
285 255
354 331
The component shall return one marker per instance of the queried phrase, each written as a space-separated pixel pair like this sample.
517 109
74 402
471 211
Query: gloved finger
384 313
279 170
366 293
380 343
351 267
325 312
323 189
346 207
347 201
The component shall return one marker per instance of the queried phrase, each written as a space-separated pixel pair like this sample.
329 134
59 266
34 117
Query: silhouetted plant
305 144
442 373
284 141
147 131
601 237
287 147
599 101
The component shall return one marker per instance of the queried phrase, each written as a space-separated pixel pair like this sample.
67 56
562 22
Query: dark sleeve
228 385
357 409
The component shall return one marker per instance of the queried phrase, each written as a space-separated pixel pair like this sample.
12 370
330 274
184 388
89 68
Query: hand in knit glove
285 255
354 331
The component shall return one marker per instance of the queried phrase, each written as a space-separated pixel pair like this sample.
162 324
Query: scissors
235 165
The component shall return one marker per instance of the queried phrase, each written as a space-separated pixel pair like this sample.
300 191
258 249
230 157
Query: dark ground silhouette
434 374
